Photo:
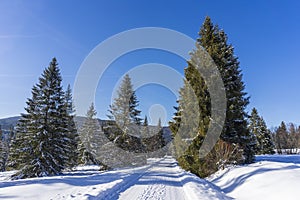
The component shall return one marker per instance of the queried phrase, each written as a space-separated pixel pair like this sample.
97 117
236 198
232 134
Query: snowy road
160 179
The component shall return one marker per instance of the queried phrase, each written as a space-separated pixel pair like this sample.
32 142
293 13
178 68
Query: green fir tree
89 139
42 143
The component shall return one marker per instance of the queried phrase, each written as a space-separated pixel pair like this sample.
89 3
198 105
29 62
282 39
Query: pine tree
186 123
72 130
126 115
215 42
4 148
292 139
2 152
89 139
145 133
41 146
235 133
20 149
257 125
124 108
268 143
254 127
281 138
161 137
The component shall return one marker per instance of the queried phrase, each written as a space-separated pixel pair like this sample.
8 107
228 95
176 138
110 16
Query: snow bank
271 177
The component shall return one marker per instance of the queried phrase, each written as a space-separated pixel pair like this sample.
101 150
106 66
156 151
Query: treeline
284 139
287 138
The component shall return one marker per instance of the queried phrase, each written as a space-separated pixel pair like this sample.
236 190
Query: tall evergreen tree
235 131
255 129
124 108
72 130
42 143
145 133
268 143
126 133
2 152
281 138
89 138
292 139
4 148
215 42
258 127
187 119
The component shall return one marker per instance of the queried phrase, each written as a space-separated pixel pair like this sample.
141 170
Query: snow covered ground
160 179
271 177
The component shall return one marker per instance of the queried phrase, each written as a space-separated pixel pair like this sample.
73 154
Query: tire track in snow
128 181
153 192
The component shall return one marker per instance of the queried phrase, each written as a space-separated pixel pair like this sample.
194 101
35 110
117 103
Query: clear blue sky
265 34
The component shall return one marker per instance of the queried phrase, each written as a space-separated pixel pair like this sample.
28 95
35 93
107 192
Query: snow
159 179
271 177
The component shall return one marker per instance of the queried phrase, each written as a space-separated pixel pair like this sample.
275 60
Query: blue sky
265 34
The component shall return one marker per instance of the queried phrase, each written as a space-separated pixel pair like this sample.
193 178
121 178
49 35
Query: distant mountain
7 123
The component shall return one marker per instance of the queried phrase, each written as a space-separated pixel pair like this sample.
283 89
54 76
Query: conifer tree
235 131
4 148
20 149
72 130
258 127
187 119
124 108
215 42
268 143
145 133
126 133
255 129
89 138
42 143
2 152
281 138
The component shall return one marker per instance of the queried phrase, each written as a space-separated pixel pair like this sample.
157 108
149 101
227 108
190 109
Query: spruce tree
161 138
4 148
145 133
89 139
215 42
281 138
126 132
268 143
257 125
42 143
186 122
2 152
72 130
235 132
255 129
20 149
124 108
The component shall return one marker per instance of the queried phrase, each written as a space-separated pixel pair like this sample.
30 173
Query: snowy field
271 177
160 179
